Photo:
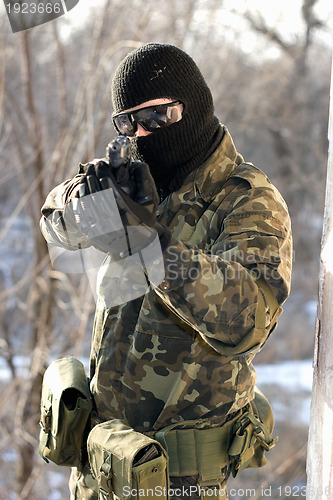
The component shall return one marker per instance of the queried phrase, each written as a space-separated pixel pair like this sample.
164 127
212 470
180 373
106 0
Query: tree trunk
40 296
320 444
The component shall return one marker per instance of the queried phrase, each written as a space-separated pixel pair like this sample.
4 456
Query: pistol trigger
105 182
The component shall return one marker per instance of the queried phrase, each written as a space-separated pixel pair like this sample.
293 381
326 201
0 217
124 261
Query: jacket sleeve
57 222
232 294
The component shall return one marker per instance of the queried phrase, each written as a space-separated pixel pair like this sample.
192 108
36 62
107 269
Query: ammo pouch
65 409
126 462
252 435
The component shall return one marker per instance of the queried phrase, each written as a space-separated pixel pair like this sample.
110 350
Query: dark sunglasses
150 118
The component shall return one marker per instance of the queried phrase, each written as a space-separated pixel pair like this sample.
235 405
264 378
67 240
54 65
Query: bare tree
54 112
319 464
45 144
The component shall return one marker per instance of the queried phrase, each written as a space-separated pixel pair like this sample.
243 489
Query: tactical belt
196 452
240 442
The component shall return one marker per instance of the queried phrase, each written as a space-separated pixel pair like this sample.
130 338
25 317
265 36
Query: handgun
119 159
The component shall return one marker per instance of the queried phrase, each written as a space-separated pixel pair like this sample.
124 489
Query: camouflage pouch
127 463
65 408
252 435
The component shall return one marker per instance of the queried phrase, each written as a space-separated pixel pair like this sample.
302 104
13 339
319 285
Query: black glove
119 217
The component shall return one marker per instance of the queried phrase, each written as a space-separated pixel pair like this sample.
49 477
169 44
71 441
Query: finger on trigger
144 194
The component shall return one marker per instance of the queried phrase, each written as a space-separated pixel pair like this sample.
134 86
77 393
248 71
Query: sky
284 14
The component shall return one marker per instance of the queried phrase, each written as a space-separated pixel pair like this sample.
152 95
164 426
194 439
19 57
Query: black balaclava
156 71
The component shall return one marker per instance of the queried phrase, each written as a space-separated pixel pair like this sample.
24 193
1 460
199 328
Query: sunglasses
150 118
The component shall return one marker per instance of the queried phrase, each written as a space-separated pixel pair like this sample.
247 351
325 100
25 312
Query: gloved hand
119 219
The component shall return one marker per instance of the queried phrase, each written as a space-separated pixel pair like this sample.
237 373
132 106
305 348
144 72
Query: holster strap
249 431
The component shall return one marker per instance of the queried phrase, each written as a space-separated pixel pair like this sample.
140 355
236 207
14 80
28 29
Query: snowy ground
287 385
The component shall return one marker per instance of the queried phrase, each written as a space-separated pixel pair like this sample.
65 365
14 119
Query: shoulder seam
244 171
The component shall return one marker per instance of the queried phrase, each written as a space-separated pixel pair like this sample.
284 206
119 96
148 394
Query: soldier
182 351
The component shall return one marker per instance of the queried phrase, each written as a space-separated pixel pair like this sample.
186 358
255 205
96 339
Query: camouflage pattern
175 353
159 359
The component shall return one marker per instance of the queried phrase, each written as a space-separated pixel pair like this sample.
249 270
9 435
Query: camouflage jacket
184 350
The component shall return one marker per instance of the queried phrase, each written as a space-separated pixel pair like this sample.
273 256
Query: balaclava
156 71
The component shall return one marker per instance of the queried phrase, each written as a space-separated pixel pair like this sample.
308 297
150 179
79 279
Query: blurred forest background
271 88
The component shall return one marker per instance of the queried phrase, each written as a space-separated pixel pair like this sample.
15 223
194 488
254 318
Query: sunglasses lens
150 118
158 117
124 125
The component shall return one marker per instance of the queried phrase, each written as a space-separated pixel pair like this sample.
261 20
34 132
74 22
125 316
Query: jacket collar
207 180
213 173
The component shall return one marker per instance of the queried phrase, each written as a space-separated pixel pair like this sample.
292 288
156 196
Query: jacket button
165 285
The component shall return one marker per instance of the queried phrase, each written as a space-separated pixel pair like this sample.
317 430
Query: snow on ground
292 376
287 385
